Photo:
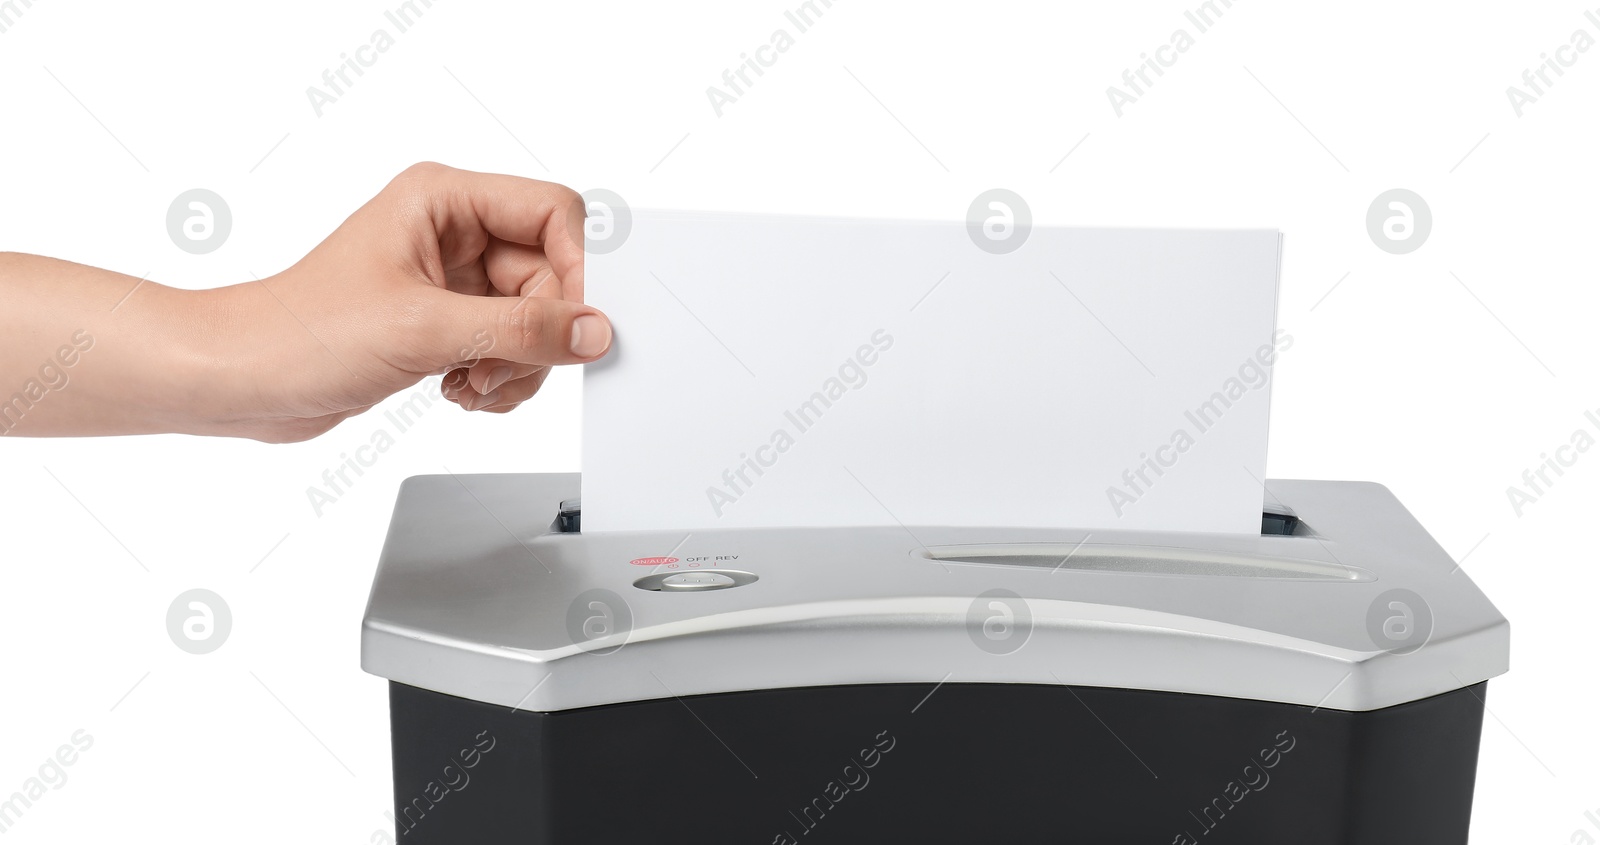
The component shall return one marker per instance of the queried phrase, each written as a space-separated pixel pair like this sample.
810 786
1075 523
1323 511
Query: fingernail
497 377
591 334
478 403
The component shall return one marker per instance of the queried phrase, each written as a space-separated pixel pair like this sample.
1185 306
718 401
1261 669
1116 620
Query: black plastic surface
571 522
960 763
568 522
1279 523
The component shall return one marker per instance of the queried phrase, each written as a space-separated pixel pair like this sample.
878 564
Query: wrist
254 366
210 375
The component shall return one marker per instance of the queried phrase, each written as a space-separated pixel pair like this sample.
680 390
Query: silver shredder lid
478 595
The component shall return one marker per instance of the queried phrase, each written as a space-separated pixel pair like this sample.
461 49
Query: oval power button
697 581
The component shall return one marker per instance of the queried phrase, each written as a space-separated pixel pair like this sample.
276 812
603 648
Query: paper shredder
1321 682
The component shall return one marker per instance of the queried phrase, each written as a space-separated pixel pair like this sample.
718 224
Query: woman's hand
445 271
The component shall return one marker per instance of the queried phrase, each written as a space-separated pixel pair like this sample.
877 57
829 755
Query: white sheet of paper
786 371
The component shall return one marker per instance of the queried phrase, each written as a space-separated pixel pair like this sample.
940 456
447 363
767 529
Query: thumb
529 330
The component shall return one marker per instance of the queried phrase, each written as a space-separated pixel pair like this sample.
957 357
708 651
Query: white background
1444 373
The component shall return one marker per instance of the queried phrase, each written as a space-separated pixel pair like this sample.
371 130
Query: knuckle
524 325
426 169
420 175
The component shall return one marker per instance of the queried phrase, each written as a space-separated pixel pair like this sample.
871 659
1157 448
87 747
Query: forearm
85 351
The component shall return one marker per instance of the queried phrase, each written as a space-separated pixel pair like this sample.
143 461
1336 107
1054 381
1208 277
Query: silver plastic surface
475 597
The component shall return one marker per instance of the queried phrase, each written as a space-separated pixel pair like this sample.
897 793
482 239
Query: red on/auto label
653 561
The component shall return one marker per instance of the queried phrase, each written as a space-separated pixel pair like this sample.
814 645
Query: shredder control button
697 581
